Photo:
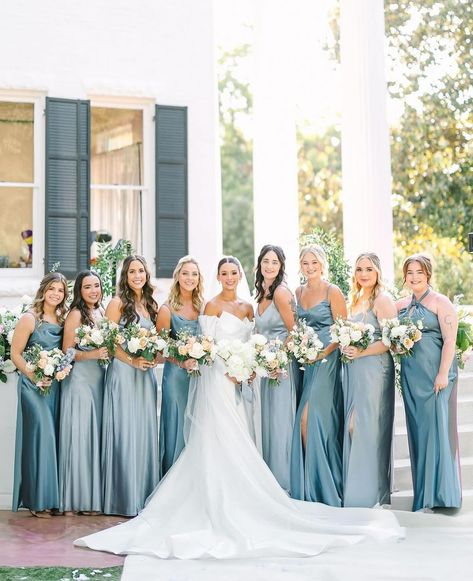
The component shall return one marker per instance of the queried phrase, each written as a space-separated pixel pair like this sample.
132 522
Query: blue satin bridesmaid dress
130 453
175 389
368 389
36 461
431 419
316 472
278 404
80 434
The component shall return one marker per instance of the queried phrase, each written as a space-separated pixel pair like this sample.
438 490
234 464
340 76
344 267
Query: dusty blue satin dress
278 405
175 389
130 453
368 390
80 433
36 474
431 420
316 472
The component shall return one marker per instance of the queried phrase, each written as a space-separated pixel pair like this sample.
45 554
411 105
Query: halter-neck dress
316 472
174 389
278 404
36 474
130 454
368 389
431 419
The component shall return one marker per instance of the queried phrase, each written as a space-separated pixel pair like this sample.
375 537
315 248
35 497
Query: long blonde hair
175 297
38 302
355 292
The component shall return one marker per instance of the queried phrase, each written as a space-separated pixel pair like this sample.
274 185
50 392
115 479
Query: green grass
59 574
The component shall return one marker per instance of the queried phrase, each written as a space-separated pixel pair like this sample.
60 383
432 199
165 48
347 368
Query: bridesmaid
429 389
130 455
274 318
184 304
316 458
80 482
368 389
36 476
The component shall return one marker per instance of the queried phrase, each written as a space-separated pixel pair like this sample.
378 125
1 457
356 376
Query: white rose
345 341
261 372
49 370
269 356
161 344
386 341
8 366
356 335
10 336
370 329
96 337
258 339
196 351
133 345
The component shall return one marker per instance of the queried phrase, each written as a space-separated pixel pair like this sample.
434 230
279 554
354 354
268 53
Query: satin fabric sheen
316 472
36 475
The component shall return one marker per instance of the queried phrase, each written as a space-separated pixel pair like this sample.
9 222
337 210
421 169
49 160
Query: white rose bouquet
271 359
239 358
185 346
351 334
304 343
105 334
44 364
143 342
401 334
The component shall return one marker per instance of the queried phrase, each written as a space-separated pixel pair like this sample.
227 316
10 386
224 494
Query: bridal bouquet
351 334
270 357
52 364
401 334
187 346
143 342
239 358
304 343
106 334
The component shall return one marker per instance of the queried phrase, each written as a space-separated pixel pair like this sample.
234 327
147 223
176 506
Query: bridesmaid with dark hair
130 455
429 389
274 319
36 477
181 311
80 481
316 458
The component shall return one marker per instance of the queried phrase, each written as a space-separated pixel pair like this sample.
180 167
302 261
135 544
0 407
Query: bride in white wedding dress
220 500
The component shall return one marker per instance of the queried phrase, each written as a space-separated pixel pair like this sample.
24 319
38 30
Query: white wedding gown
220 500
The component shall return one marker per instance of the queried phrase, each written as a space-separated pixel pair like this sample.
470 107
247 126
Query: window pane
118 213
16 227
116 146
16 142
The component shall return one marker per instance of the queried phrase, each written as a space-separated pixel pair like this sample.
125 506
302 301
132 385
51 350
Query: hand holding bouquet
187 347
239 358
48 365
351 334
271 358
143 342
304 343
401 334
106 335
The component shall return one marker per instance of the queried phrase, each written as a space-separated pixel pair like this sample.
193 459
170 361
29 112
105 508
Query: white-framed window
121 170
21 179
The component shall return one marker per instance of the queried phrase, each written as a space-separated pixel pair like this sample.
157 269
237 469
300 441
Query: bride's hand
233 379
189 364
252 378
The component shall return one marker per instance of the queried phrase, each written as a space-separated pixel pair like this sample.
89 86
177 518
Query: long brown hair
175 298
355 292
79 303
127 295
261 292
38 302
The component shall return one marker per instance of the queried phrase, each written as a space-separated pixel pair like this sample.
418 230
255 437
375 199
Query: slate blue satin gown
278 405
368 390
175 389
316 472
36 474
130 453
80 434
431 420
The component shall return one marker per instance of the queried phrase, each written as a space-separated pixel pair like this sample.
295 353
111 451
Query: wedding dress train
220 500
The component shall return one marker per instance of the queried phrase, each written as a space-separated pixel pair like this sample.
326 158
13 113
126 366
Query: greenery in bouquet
400 335
304 343
143 342
464 341
199 348
351 334
106 334
8 321
271 358
48 364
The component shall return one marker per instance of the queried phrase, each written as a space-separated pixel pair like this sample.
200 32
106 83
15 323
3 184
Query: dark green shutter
67 185
171 188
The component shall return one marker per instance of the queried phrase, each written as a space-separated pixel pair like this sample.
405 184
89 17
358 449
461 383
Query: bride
220 500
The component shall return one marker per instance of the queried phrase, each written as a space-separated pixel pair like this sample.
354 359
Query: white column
276 212
367 212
